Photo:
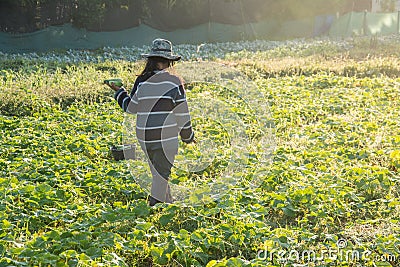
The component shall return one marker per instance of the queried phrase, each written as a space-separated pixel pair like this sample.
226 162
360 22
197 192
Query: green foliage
30 86
335 172
91 14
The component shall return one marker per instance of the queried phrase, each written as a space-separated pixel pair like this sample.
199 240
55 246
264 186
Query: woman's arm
126 102
182 115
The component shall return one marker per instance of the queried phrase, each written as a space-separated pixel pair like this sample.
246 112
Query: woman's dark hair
151 64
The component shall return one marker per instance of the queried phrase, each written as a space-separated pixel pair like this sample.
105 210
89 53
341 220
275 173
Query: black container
122 152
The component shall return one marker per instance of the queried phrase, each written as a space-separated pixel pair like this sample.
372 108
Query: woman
159 100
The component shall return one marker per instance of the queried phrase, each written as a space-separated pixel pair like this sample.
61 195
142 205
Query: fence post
398 22
365 28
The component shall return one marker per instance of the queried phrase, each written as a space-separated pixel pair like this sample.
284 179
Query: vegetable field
330 196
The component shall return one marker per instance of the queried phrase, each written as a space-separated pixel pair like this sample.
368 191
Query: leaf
166 218
69 254
196 236
233 262
110 216
53 235
27 253
113 173
141 209
289 211
143 225
94 252
212 263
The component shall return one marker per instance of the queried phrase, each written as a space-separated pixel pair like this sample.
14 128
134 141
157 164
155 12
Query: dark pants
161 161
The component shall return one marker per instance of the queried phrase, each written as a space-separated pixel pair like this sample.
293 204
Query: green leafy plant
334 174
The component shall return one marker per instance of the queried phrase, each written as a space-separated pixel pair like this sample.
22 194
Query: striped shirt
159 100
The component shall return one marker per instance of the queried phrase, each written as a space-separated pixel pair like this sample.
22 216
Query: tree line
166 15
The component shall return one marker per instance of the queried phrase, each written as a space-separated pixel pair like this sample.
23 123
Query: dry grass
311 65
372 230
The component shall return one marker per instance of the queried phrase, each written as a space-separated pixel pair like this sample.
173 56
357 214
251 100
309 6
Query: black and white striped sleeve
181 111
126 102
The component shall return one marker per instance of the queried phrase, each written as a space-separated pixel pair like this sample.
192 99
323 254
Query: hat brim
169 57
